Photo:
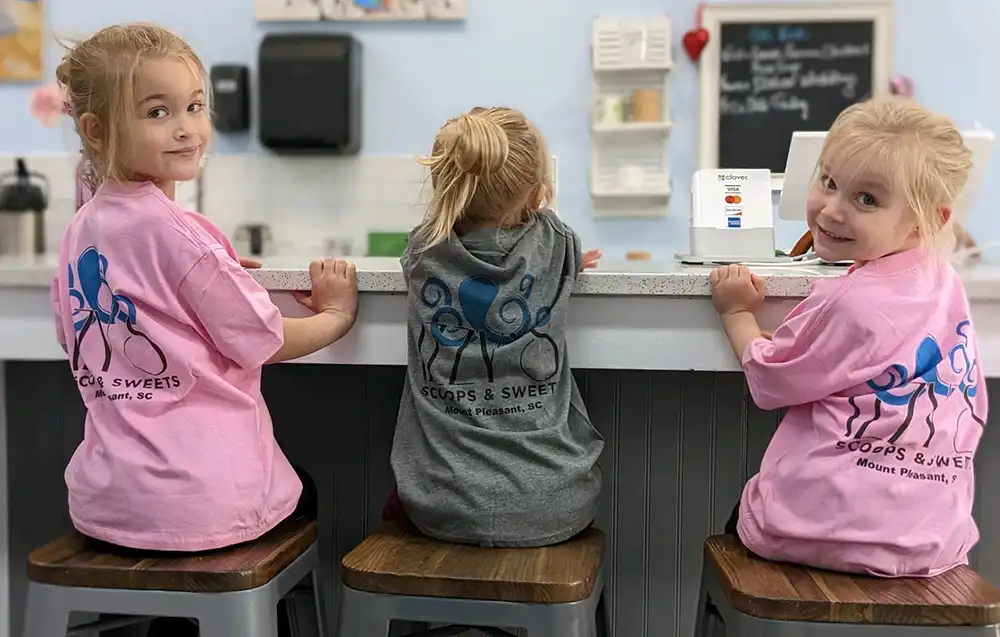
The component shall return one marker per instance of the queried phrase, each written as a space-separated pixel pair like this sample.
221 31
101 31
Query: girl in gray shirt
493 443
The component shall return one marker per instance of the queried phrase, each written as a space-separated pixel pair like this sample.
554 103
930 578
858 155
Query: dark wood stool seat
74 560
785 592
398 560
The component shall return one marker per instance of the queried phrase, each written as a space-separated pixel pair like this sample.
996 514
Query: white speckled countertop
383 274
622 278
625 278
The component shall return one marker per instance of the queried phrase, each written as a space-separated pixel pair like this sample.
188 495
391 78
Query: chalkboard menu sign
776 78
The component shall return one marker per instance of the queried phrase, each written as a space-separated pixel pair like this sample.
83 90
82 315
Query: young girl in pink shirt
871 469
166 333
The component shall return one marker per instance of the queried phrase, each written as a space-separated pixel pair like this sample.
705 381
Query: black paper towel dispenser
310 93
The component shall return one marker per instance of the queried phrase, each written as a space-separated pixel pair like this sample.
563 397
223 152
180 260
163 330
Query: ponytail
469 150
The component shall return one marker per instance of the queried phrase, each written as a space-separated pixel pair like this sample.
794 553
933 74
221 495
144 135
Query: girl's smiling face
170 127
858 215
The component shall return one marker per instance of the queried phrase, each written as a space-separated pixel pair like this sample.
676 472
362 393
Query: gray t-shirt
493 444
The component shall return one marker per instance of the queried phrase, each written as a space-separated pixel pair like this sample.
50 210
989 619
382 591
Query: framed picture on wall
359 10
21 44
287 10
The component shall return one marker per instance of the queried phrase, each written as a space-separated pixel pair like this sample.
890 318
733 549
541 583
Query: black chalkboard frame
714 16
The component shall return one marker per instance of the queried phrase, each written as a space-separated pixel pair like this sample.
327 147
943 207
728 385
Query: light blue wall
534 54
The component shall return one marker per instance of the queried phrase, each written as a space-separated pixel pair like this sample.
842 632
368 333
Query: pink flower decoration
49 103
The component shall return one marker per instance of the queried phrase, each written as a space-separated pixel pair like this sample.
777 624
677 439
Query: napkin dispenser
732 215
309 93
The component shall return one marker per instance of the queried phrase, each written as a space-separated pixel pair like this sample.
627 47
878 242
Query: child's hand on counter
334 289
333 299
590 259
735 289
250 264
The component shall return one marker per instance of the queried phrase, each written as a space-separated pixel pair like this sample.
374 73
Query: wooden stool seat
785 592
398 560
74 560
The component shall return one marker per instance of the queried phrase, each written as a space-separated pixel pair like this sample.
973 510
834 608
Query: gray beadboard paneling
986 556
44 426
679 445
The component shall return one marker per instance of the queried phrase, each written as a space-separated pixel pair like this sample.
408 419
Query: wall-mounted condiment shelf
630 123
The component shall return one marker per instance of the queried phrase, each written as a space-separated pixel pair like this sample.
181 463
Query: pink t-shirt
870 470
166 336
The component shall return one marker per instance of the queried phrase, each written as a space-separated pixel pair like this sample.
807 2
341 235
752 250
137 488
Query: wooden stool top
75 560
787 592
398 560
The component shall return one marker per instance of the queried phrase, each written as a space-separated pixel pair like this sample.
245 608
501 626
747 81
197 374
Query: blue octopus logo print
472 319
95 305
904 387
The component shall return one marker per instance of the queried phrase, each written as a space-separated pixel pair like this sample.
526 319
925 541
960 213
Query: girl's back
493 444
166 335
875 472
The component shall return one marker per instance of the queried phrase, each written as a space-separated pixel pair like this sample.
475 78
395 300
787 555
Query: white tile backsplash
60 170
309 200
306 201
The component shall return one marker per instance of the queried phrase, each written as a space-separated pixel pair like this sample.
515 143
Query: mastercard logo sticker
734 199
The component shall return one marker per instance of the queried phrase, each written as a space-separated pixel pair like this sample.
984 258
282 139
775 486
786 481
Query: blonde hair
98 76
920 152
490 165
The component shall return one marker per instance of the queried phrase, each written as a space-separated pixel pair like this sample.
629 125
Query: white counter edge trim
625 332
589 283
663 279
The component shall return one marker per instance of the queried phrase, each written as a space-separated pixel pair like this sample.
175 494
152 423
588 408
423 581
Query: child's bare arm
334 299
303 336
737 293
742 329
57 311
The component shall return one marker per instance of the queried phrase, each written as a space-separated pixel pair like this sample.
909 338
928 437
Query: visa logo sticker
734 222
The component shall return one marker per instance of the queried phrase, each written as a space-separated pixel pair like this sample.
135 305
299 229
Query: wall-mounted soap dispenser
230 97
310 93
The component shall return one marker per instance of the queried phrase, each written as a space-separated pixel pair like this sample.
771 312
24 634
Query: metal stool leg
47 614
702 624
562 620
250 617
546 625
318 602
603 617
358 619
705 622
357 623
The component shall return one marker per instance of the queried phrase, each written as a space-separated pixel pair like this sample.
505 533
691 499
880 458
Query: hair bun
480 145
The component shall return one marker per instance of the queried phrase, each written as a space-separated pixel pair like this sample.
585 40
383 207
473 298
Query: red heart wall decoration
695 42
